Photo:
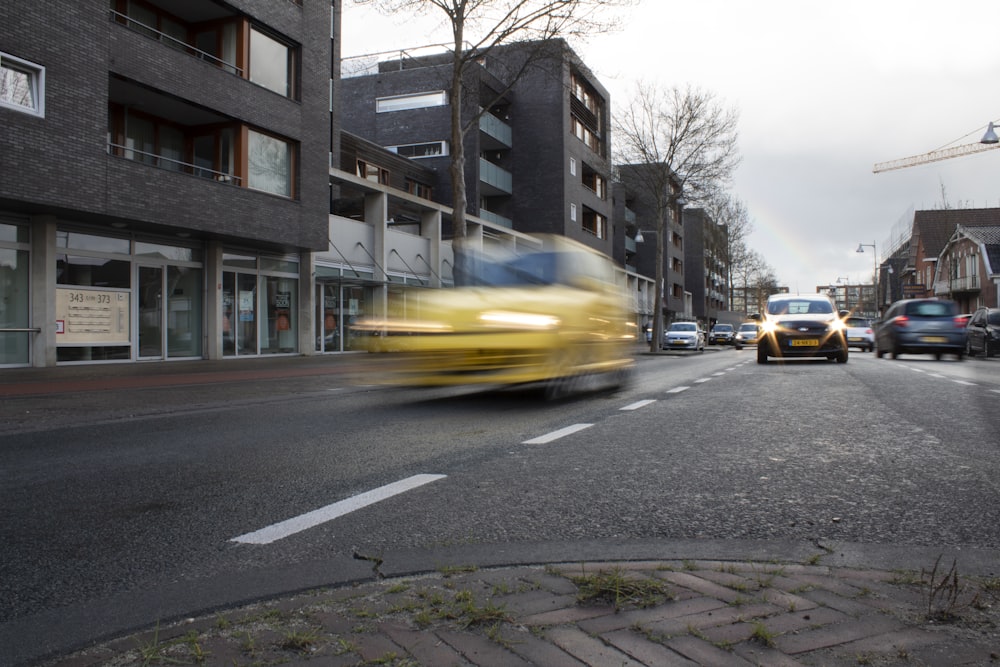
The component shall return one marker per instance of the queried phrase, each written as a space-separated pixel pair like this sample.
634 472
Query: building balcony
494 180
497 134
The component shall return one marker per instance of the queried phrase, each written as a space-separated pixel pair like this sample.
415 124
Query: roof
989 238
935 227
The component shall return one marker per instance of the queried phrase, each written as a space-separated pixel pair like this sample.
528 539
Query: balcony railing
498 177
170 164
173 42
496 128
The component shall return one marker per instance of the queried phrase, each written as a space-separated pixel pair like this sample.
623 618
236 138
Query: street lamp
861 248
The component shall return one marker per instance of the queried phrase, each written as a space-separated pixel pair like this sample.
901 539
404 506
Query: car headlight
768 326
508 319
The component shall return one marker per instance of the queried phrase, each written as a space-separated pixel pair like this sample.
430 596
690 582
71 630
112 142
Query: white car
684 336
860 333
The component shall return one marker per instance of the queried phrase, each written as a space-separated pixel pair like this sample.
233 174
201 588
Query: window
373 172
272 64
595 182
428 149
435 98
572 166
595 223
572 212
22 85
419 189
269 164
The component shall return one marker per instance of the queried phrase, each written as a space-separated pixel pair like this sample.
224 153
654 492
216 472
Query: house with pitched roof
968 268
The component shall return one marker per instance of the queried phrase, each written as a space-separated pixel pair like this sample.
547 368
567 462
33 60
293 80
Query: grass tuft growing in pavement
615 587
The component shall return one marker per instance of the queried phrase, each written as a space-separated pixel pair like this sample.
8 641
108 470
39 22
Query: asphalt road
141 496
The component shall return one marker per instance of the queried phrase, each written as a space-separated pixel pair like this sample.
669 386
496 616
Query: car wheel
879 353
968 348
842 357
960 355
895 352
761 353
937 356
986 349
738 347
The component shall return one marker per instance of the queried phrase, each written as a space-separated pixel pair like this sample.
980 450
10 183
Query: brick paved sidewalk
610 613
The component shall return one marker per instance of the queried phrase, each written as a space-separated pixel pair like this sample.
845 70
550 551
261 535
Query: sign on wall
92 316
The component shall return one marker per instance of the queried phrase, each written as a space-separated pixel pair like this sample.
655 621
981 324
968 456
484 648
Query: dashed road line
638 404
555 435
677 390
302 522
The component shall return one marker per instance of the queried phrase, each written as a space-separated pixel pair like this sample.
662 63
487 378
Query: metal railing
27 330
170 164
129 22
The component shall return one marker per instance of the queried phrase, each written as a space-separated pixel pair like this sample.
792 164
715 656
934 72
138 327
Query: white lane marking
555 435
995 391
302 522
700 380
639 404
718 374
965 382
677 390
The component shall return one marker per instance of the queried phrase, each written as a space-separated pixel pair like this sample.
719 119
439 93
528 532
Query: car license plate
933 339
854 339
804 342
678 342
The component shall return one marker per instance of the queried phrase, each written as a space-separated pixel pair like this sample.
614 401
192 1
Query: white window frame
36 74
572 212
442 144
572 166
431 98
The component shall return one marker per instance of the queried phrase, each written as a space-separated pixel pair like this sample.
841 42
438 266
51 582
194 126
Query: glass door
239 313
150 312
327 318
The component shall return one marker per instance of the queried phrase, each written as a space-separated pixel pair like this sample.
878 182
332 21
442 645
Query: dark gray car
921 326
983 332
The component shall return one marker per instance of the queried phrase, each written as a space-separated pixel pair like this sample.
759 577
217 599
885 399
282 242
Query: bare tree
731 213
478 27
682 143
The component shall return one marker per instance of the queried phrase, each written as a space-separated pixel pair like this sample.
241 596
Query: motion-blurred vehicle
552 313
982 334
806 325
860 333
684 336
721 334
921 326
748 334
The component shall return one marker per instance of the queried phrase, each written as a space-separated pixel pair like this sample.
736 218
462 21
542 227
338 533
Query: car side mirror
843 313
756 317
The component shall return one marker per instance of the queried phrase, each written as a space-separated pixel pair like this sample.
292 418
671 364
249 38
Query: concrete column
213 302
430 223
43 290
376 215
307 304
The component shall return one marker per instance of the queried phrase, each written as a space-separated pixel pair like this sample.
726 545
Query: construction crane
988 142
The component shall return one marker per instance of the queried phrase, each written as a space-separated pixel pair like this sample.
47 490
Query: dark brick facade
60 164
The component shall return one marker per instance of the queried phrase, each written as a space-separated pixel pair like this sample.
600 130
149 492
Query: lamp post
861 248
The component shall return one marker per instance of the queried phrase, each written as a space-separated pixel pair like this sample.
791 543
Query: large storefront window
259 305
119 299
15 346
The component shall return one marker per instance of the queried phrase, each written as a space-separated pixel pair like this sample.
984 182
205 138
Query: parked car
921 326
806 325
982 334
860 333
721 334
748 334
684 336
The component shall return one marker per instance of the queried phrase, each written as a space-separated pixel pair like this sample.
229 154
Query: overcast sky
824 91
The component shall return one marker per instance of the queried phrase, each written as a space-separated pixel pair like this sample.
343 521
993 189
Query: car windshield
683 326
722 327
857 322
931 309
748 328
799 307
994 317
